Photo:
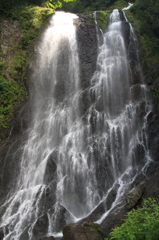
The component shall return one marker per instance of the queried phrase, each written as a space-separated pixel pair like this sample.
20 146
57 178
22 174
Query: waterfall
70 161
54 126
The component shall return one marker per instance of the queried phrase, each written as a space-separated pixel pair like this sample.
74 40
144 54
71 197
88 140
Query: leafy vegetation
6 6
31 15
119 4
144 16
102 19
80 6
14 63
140 224
10 93
56 3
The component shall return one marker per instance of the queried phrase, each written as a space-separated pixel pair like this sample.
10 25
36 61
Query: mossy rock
102 18
84 231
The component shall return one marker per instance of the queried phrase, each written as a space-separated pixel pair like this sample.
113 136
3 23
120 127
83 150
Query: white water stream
70 162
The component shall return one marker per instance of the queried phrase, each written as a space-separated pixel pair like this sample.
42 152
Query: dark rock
10 169
134 195
126 33
11 139
122 18
1 233
63 217
103 206
132 52
25 234
138 155
50 170
153 134
47 238
153 67
136 92
114 218
155 84
151 189
148 80
96 214
41 226
86 230
87 46
62 75
84 102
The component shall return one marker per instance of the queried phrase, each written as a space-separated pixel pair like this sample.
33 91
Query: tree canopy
79 6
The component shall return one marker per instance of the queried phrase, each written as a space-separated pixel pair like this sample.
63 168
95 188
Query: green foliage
102 19
96 229
155 92
79 6
56 3
10 93
31 19
144 15
118 4
6 6
140 224
13 70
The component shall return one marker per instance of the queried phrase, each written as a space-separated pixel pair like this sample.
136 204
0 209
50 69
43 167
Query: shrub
140 224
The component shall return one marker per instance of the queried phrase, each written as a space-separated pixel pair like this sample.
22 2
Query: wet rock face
1 234
84 231
133 196
64 217
87 46
41 226
9 169
132 53
48 238
87 49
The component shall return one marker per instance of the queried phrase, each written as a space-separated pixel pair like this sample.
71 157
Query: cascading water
54 116
70 162
120 109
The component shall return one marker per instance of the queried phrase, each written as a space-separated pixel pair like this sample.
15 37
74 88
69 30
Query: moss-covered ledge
102 18
18 35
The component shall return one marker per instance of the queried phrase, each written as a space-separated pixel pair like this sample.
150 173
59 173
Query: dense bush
140 224
145 17
79 6
7 5
9 95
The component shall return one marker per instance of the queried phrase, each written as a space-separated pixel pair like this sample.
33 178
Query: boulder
134 195
84 231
